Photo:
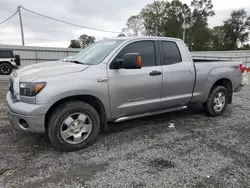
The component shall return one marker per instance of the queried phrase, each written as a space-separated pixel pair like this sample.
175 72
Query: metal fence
237 55
243 59
31 55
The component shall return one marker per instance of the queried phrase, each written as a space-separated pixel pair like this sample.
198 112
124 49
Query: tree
245 47
199 34
121 35
237 29
134 26
218 38
176 15
154 17
202 9
74 44
162 18
86 40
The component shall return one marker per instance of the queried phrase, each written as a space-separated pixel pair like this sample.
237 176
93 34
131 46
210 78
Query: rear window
6 54
171 53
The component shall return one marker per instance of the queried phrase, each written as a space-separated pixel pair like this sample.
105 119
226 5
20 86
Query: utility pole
184 27
21 23
184 30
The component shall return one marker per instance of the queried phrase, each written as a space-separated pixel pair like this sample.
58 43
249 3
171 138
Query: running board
125 118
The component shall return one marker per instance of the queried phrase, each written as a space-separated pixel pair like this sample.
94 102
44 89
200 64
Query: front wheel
5 69
217 101
73 126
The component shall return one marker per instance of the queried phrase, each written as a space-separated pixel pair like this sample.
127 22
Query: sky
108 15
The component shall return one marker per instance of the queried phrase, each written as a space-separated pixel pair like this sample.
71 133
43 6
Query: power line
6 25
8 18
72 24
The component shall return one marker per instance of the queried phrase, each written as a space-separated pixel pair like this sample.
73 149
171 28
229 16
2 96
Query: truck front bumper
26 117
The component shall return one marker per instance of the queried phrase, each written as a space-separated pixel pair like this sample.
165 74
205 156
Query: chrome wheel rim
76 128
5 69
219 101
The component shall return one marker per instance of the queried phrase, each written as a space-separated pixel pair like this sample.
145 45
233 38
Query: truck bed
207 71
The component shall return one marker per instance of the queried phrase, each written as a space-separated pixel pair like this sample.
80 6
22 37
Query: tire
67 111
5 69
211 106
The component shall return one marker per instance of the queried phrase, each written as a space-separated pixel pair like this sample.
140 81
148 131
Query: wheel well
91 100
228 85
5 62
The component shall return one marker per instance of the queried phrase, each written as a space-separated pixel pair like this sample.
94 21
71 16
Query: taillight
242 68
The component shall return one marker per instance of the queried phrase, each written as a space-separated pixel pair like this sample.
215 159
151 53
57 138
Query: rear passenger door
178 74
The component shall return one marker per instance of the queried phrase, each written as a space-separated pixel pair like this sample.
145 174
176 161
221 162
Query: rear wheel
73 126
217 101
5 69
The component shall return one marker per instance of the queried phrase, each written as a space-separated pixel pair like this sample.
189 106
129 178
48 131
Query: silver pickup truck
115 80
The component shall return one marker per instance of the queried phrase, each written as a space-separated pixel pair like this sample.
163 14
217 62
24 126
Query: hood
32 72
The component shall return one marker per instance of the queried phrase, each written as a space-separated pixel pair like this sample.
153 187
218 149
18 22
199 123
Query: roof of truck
144 37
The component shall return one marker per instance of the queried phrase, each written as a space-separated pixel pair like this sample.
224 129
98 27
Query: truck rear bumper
26 117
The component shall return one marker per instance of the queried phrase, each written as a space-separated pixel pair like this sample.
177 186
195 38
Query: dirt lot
199 152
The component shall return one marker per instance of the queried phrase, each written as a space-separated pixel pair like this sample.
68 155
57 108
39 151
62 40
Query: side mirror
17 60
132 61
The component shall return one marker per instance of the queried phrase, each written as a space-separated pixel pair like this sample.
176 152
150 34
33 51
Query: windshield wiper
77 62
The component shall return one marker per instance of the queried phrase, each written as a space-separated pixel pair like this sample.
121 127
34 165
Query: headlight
31 89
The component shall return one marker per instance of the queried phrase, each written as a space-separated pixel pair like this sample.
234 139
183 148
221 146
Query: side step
125 118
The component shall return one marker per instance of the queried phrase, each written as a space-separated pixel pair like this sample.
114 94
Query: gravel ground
199 151
4 78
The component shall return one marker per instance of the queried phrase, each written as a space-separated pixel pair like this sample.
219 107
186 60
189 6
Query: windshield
96 53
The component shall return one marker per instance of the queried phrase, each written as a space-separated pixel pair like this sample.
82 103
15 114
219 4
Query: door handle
155 73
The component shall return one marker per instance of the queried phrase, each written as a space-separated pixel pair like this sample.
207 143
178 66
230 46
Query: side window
146 50
6 54
171 53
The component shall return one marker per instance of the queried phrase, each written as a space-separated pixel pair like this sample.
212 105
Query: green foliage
121 35
134 26
86 40
164 18
218 38
154 17
83 41
199 35
202 9
236 29
74 44
245 47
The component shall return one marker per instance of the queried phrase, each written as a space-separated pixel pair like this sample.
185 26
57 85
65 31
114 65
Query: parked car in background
116 80
8 61
67 58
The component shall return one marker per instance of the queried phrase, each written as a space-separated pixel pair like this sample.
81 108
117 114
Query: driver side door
135 91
